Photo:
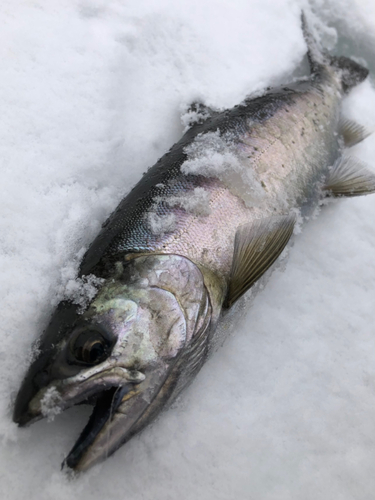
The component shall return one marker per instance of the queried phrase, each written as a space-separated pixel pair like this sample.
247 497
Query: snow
91 94
215 155
196 202
81 291
210 155
196 113
160 224
50 404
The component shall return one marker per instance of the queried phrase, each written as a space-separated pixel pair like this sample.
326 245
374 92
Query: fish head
119 354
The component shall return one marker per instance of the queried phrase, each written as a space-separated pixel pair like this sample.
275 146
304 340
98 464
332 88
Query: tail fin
350 72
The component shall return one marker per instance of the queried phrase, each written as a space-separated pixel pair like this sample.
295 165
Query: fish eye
90 347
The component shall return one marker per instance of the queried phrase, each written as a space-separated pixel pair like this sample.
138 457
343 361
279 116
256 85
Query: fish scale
282 161
125 231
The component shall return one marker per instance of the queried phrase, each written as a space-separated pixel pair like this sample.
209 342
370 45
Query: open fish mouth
123 401
106 390
106 404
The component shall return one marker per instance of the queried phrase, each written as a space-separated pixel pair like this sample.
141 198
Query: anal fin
352 132
350 177
256 247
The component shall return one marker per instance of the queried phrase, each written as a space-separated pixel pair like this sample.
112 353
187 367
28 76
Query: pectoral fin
353 132
256 247
350 177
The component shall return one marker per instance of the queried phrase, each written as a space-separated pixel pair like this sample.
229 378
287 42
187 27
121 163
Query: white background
91 94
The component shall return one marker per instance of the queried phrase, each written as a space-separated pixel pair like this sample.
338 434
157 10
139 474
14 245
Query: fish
200 232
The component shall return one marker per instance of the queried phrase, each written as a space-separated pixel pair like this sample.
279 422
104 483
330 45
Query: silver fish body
194 234
282 145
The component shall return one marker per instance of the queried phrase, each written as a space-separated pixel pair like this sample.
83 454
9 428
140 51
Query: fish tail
350 72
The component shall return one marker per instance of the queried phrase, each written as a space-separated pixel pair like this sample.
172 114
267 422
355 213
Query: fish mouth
106 390
124 402
119 413
105 408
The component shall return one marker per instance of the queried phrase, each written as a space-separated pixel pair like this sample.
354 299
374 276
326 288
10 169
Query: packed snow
91 96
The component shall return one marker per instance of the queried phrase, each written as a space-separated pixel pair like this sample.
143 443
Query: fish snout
42 397
37 378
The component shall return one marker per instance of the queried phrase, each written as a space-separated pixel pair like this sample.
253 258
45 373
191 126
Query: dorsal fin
200 108
197 113
316 55
350 177
352 132
256 247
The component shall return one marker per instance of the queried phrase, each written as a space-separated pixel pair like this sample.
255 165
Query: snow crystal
196 202
195 114
82 290
160 224
216 155
211 155
51 403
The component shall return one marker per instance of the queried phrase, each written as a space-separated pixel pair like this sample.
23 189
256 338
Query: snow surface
91 94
